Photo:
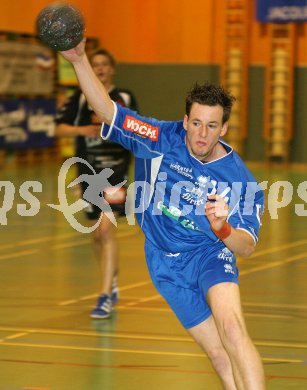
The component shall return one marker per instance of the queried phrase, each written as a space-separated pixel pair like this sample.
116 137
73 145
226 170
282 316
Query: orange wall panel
158 30
301 54
260 47
20 15
155 31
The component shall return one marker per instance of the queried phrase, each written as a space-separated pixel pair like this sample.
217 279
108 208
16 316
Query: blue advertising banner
281 11
26 123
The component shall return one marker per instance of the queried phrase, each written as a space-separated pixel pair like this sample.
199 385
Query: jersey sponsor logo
173 254
203 180
141 128
188 224
228 269
174 213
203 187
194 196
225 255
182 170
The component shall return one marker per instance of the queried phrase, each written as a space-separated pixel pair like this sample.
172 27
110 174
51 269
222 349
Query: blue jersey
172 185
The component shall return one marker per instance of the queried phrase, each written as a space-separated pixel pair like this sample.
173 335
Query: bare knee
207 336
220 360
103 235
233 331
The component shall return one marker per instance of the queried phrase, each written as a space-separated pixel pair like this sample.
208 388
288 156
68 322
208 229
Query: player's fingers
221 203
209 206
221 211
214 197
210 211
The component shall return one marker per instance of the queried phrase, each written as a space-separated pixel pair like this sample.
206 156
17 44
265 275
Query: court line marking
278 249
89 240
276 305
146 367
129 232
38 240
86 333
143 308
142 300
136 336
18 254
267 315
86 297
245 304
124 235
71 244
242 273
168 310
98 349
250 271
274 264
15 336
281 344
161 368
134 351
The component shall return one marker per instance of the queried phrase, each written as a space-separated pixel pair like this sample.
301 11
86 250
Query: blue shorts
183 279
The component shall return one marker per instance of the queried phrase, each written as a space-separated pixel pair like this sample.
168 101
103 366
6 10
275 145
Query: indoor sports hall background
48 282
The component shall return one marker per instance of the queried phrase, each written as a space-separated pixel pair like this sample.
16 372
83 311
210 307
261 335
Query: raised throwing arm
94 91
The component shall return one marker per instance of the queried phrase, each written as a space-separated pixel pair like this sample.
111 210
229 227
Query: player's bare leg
107 253
224 300
207 336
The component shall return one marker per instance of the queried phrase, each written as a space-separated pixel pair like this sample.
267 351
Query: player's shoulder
245 173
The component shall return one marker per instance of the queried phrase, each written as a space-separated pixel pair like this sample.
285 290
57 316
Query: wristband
224 232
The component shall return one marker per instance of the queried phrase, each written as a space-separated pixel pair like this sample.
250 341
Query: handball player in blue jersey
198 205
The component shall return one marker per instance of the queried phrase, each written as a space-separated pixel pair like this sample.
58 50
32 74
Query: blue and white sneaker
115 292
103 308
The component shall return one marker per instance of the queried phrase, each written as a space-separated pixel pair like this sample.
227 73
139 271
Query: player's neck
216 153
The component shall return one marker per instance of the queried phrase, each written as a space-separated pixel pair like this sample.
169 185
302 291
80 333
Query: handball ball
60 26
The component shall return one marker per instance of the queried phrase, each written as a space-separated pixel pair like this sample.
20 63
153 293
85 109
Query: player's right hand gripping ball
60 26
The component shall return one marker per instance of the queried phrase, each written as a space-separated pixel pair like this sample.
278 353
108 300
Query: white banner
26 69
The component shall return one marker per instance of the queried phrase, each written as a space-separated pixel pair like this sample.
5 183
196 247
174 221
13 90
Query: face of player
204 127
103 69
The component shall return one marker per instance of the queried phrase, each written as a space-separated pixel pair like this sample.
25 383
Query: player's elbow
247 250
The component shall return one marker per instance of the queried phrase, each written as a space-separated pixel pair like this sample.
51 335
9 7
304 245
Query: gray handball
60 26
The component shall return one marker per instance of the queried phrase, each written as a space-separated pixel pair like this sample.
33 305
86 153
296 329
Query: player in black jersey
78 120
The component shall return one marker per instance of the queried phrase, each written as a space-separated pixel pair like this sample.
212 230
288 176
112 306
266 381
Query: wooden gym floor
49 281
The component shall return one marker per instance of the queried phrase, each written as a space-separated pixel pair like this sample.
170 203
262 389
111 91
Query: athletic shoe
115 292
103 308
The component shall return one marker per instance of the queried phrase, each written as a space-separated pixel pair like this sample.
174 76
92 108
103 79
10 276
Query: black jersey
99 153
